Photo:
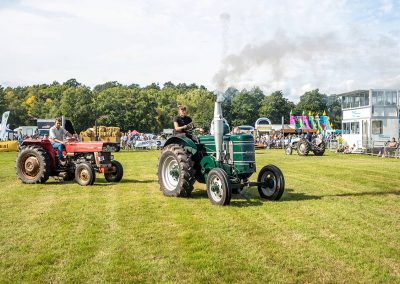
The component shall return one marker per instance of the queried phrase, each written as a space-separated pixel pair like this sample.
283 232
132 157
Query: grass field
338 221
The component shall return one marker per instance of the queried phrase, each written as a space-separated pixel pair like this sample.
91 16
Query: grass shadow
124 180
244 200
238 200
60 183
291 195
199 193
371 193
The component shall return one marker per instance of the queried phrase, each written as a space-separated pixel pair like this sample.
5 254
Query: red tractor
37 160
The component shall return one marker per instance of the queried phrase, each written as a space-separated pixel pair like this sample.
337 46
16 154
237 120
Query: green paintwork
243 154
243 158
186 142
242 166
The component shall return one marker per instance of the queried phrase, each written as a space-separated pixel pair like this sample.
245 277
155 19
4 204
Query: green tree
107 85
2 100
334 111
77 105
245 107
166 106
275 106
18 113
127 108
227 103
312 101
200 104
72 83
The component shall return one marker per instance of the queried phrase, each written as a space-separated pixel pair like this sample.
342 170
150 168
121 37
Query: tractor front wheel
288 150
175 171
219 188
271 183
318 147
84 174
33 165
117 175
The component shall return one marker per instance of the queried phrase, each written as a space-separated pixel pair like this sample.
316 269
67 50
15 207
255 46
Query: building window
346 127
366 99
377 127
355 100
355 127
377 98
351 128
390 98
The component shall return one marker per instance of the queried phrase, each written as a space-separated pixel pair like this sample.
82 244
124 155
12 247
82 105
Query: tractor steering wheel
70 139
190 127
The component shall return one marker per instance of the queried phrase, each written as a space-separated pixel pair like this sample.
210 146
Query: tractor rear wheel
272 183
117 175
303 147
33 165
319 149
84 174
219 188
175 171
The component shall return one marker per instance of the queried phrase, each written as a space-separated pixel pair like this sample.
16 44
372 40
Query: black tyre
288 150
273 183
33 165
175 171
237 190
303 147
94 174
70 175
117 175
319 149
219 188
84 174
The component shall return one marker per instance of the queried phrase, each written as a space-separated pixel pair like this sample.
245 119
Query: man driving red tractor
56 136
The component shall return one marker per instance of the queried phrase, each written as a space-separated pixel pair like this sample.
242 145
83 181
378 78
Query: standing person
20 137
56 136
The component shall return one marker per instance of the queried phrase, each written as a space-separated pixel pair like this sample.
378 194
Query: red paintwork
107 170
46 145
70 147
84 147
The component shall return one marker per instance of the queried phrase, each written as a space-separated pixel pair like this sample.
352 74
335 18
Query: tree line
151 108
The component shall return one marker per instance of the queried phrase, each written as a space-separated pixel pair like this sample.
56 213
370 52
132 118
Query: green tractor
223 161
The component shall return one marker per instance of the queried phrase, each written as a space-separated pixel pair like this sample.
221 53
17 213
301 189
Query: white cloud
319 44
386 6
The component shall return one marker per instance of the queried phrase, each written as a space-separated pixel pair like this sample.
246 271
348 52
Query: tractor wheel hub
174 172
31 165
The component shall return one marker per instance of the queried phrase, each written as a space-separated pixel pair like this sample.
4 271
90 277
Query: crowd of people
129 139
279 140
183 124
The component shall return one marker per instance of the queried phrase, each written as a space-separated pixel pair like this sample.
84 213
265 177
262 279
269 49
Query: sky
293 46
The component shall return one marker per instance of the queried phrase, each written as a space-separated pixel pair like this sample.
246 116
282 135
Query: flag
3 125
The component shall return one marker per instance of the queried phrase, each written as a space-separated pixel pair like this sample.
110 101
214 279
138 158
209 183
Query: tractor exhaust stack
218 127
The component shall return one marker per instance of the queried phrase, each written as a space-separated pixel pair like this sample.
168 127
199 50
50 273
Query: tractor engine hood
89 147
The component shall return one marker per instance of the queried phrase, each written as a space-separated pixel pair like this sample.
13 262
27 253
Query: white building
370 117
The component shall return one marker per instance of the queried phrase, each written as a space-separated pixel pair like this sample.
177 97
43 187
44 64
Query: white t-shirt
57 133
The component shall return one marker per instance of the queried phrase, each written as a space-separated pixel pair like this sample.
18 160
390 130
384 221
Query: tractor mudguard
184 141
46 145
